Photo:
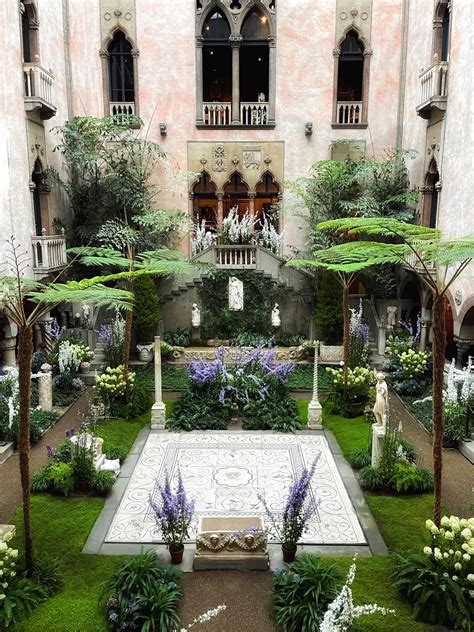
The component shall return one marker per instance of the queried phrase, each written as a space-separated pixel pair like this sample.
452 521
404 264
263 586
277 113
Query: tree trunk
25 351
126 344
439 345
345 338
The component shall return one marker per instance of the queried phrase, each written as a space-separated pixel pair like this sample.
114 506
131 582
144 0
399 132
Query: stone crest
219 162
252 158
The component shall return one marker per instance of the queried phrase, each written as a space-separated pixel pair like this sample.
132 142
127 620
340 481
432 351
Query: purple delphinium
50 451
105 334
362 333
300 507
173 512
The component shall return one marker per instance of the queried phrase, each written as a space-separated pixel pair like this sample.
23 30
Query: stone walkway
458 472
10 485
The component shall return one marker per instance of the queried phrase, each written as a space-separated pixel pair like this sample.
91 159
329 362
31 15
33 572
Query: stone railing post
314 407
45 388
158 411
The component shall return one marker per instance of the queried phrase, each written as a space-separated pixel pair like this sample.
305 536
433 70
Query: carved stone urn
145 352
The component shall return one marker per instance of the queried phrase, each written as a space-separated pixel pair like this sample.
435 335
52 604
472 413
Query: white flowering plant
8 557
201 238
359 382
111 384
440 582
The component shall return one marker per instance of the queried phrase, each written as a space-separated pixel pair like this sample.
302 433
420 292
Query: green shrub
41 480
23 596
40 421
47 573
116 452
436 598
37 360
410 479
146 311
277 411
198 412
372 478
103 481
288 339
82 463
142 592
250 339
178 338
302 591
359 458
62 477
328 312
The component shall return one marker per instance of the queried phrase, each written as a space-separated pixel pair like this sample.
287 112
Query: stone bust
196 316
276 321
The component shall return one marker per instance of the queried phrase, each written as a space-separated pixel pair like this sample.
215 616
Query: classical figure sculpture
236 294
391 316
381 400
276 322
196 316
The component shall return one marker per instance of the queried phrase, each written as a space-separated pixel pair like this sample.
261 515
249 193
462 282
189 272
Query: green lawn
61 527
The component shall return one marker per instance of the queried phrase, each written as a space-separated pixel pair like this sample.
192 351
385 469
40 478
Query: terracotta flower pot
289 551
176 553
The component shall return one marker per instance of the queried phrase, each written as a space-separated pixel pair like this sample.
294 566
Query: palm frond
381 226
83 291
100 257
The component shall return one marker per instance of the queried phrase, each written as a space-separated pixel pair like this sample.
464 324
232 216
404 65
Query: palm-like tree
435 261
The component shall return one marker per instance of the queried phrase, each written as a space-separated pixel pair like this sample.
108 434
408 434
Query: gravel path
10 486
458 472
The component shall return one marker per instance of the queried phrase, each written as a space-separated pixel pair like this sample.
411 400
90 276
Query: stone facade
397 37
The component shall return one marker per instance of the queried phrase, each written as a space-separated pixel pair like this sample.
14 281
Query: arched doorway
430 197
267 195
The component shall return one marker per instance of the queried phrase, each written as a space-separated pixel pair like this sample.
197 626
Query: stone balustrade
254 113
349 113
240 257
119 111
216 113
39 89
433 89
49 254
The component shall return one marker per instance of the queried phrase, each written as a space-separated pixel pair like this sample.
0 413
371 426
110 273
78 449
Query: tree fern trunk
126 344
346 316
25 351
439 345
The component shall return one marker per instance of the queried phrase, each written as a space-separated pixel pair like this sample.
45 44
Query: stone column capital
235 41
199 41
272 41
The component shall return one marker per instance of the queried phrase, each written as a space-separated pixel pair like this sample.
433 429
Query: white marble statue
380 408
196 316
236 294
276 322
391 316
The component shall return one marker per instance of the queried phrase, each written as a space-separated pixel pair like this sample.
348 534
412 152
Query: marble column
158 411
220 210
314 407
378 437
251 195
382 338
271 79
199 84
8 347
235 42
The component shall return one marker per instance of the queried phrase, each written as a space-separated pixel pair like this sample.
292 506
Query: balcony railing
433 89
39 90
220 113
254 113
49 254
216 113
236 257
412 261
120 110
349 113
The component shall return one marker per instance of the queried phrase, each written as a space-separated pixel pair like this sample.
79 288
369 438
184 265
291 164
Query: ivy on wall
218 321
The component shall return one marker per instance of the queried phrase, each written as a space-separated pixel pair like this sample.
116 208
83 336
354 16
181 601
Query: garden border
375 546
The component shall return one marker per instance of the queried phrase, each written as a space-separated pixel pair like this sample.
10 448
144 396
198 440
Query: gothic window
29 32
254 59
25 32
217 67
445 35
350 95
236 194
431 196
267 194
205 201
441 30
121 75
37 179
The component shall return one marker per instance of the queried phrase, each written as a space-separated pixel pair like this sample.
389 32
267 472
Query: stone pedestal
315 416
382 339
45 391
158 416
378 437
8 347
196 334
158 410
233 542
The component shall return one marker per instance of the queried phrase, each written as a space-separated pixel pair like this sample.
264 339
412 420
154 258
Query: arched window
266 198
351 97
29 32
445 34
37 179
205 201
236 194
216 70
431 196
441 30
121 74
254 55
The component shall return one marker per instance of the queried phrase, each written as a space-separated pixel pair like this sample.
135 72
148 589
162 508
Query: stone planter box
6 450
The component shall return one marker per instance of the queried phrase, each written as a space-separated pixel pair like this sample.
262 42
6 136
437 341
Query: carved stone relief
252 158
219 162
118 13
354 13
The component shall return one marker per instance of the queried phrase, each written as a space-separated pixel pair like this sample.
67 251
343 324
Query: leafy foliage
23 596
359 458
181 337
146 312
277 411
197 411
302 592
328 312
47 573
103 481
408 478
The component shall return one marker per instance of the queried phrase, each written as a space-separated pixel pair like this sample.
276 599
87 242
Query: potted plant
173 514
300 507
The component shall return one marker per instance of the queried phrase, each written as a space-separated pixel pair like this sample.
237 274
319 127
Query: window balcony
39 90
433 89
121 110
49 254
219 114
349 113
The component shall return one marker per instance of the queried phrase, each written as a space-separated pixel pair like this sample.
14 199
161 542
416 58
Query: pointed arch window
205 201
351 87
216 70
121 77
236 193
431 196
267 195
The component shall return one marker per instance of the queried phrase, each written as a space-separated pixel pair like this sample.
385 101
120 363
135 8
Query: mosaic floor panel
225 471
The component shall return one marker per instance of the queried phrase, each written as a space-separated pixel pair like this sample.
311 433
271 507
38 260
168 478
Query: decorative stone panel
118 14
353 14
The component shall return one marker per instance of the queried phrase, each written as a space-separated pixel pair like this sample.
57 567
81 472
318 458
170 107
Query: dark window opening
217 73
205 202
266 199
25 37
235 5
236 194
216 27
350 69
255 26
37 179
254 73
121 79
434 201
445 36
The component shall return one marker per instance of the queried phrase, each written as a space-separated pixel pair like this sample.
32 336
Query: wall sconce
163 129
308 128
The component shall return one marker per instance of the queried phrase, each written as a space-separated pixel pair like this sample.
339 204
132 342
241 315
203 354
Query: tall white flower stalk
270 238
236 230
11 391
341 612
202 238
355 319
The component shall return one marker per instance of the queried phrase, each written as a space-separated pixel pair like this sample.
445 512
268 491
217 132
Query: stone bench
231 542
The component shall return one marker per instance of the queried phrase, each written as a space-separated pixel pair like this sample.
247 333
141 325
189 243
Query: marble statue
276 322
196 316
380 408
236 294
391 316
